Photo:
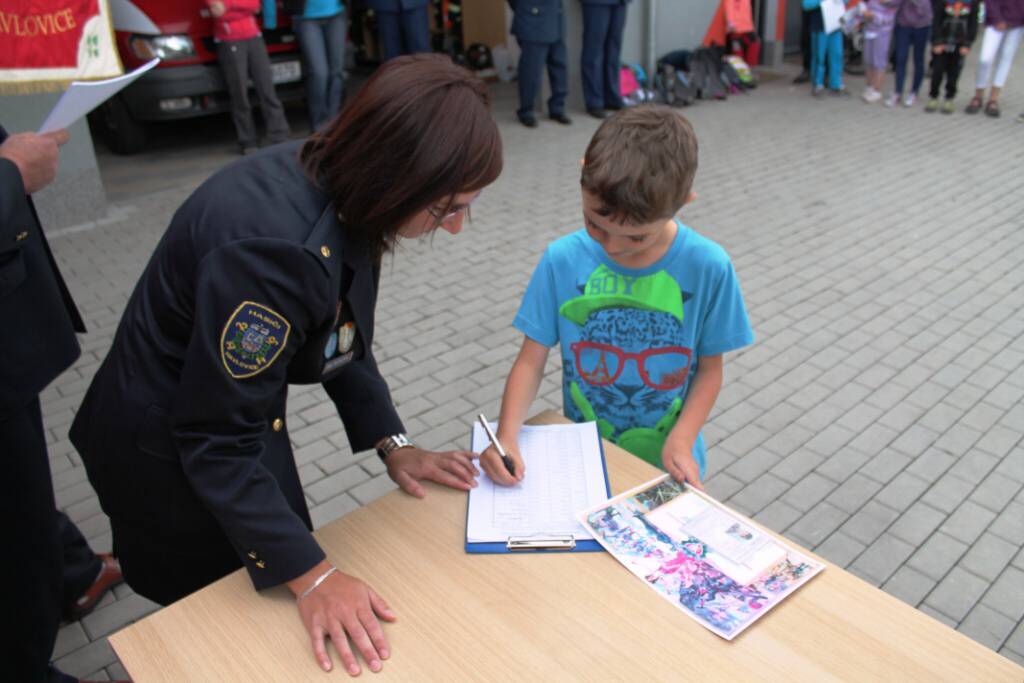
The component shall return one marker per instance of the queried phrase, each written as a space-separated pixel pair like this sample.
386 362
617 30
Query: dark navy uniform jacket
254 285
37 314
538 21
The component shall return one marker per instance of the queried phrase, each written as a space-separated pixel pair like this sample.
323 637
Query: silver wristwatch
392 443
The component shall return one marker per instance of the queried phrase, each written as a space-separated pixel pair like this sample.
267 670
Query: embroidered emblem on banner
252 339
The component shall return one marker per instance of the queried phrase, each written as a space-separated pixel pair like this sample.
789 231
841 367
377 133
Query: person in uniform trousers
266 276
401 26
52 573
539 27
603 24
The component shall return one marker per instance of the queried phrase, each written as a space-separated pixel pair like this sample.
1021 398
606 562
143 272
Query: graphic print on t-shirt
629 369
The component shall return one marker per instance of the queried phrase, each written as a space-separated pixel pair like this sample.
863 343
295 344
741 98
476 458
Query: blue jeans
827 48
907 37
323 57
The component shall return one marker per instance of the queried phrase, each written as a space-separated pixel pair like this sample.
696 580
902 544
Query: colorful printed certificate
652 530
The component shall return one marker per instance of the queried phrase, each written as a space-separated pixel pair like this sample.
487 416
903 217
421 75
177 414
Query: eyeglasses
442 218
601 364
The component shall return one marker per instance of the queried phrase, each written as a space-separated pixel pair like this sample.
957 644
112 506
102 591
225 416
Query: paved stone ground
877 420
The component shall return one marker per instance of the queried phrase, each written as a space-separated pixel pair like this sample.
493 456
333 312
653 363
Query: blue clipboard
540 543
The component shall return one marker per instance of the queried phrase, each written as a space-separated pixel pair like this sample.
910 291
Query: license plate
285 72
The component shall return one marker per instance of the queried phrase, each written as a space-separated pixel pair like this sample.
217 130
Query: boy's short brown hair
640 164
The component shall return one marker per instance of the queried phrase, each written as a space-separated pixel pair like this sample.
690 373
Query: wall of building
76 196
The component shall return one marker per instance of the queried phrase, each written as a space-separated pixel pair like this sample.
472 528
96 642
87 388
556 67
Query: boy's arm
677 454
520 390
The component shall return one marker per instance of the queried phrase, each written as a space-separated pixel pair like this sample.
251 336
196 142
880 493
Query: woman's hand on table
491 463
342 608
409 466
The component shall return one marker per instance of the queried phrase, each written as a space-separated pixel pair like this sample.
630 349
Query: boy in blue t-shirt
641 305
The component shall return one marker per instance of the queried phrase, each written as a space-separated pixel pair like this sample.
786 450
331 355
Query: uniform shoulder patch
252 339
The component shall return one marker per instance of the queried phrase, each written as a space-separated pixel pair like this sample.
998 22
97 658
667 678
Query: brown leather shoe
110 576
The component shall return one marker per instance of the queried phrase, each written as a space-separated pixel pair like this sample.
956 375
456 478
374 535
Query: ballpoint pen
510 465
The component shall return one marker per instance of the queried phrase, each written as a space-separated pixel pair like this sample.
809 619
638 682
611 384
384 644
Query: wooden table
579 616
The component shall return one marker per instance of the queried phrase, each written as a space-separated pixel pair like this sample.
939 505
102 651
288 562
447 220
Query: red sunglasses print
601 364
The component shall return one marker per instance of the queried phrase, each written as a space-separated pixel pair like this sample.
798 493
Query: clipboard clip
517 543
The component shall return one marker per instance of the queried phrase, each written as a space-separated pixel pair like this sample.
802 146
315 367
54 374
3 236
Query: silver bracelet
320 579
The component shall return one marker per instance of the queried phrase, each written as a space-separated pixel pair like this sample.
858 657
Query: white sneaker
871 96
909 99
868 92
891 100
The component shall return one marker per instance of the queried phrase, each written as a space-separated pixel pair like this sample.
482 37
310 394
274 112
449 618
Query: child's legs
919 41
989 47
1011 41
834 46
818 49
876 57
954 63
938 71
902 35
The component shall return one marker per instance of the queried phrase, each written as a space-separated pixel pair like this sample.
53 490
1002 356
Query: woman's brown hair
416 134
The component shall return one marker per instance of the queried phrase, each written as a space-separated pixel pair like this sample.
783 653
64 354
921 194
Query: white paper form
564 475
832 12
82 97
739 550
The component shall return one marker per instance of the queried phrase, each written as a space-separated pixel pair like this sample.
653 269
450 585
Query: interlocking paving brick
937 555
989 556
370 490
327 512
968 522
869 522
908 585
957 593
1006 595
881 558
330 486
886 465
777 516
106 620
840 549
808 491
902 491
85 660
987 626
815 526
917 523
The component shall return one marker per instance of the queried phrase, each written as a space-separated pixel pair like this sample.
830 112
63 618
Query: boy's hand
679 462
492 464
964 50
938 49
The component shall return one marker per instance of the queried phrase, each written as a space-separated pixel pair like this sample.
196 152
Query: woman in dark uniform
267 276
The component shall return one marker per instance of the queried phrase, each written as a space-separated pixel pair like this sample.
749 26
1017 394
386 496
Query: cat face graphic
610 341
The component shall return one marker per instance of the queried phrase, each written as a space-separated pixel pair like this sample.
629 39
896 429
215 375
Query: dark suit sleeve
364 403
13 206
219 418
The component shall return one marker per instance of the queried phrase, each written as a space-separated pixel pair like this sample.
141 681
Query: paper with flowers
678 570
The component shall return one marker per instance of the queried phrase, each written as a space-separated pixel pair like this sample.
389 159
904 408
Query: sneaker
841 92
1020 117
802 77
947 107
871 95
891 100
932 106
818 91
910 100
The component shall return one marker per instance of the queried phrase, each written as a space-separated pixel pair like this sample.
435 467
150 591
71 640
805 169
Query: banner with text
48 43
